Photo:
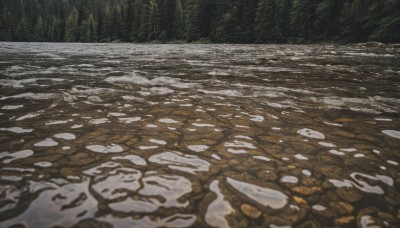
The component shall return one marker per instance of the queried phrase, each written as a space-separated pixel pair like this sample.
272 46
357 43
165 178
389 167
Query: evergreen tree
88 30
71 30
6 25
117 18
282 20
39 34
303 16
23 32
107 24
265 24
151 20
245 21
328 14
179 22
191 30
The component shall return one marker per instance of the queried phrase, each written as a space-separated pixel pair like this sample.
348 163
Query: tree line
230 21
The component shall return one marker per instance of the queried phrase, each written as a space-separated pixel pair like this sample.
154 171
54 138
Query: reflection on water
131 135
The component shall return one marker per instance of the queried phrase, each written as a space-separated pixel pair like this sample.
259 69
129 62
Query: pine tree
282 20
71 30
191 30
328 14
88 30
5 25
153 21
106 26
39 30
265 24
23 32
117 28
303 16
178 23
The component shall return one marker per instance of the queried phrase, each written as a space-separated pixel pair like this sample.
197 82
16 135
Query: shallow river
127 135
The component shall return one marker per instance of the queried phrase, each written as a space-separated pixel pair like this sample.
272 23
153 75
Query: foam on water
43 164
393 162
359 155
240 144
243 137
198 148
129 120
215 156
262 158
113 148
66 136
33 96
349 150
132 78
218 209
333 124
159 142
15 155
265 196
325 144
257 118
236 151
392 133
168 121
12 107
156 91
56 122
182 162
306 172
300 157
290 179
228 93
383 119
148 147
17 130
49 142
336 152
135 159
174 82
116 114
311 133
27 116
99 121
358 181
203 125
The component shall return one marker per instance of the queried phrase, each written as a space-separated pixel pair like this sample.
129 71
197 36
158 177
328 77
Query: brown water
199 135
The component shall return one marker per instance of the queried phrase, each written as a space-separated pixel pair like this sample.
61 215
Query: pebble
344 220
299 200
307 190
348 194
250 211
341 208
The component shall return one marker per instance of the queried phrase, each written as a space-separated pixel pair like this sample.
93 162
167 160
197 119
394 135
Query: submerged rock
250 211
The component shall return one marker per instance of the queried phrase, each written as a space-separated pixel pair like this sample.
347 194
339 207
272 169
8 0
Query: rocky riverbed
125 135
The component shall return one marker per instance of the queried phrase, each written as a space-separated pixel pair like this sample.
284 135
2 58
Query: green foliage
71 30
23 32
39 34
88 30
231 21
6 25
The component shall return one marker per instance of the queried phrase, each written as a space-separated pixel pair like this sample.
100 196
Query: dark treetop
233 21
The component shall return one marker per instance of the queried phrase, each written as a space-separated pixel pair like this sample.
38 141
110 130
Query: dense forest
230 21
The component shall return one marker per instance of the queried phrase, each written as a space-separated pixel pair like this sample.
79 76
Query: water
198 135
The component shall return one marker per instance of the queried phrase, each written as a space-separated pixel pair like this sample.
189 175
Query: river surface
139 135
